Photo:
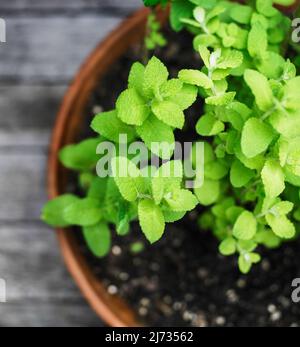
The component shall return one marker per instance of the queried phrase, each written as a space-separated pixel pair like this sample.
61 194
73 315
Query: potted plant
233 94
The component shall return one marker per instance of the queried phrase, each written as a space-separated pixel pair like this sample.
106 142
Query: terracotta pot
110 308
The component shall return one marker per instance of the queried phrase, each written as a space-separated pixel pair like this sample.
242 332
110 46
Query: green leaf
241 14
81 156
109 126
98 239
171 88
256 137
128 178
155 75
181 200
196 78
273 178
171 216
230 59
136 77
245 227
228 246
281 226
291 98
208 125
84 212
245 263
257 40
282 208
169 113
123 218
98 187
266 8
53 211
186 97
205 55
151 220
240 175
246 260
221 100
180 9
267 238
209 193
215 170
261 89
154 131
132 108
168 177
111 201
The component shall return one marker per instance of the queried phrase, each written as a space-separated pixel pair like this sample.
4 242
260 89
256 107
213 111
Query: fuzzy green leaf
261 89
81 156
151 220
241 13
110 126
228 246
169 113
155 131
245 226
208 125
186 97
181 200
168 177
196 78
221 100
281 226
273 178
84 212
180 9
53 211
240 175
132 108
209 193
155 75
98 239
136 77
128 178
257 40
256 137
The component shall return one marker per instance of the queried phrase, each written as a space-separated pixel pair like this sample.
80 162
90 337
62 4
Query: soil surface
182 280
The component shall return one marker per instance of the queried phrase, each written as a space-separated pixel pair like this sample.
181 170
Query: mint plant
250 126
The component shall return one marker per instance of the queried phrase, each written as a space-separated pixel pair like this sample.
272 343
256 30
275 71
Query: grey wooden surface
46 43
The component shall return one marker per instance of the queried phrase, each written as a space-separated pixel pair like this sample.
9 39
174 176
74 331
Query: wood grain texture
50 50
46 5
40 292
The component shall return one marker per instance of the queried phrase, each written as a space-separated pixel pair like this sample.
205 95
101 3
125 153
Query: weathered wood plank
50 49
33 313
27 114
40 292
28 249
69 4
22 186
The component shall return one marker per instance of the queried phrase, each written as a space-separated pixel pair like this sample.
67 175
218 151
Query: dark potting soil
182 280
